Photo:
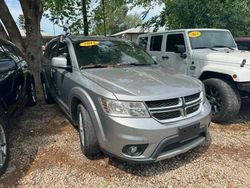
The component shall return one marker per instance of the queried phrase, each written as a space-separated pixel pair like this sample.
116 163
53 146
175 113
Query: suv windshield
211 39
103 53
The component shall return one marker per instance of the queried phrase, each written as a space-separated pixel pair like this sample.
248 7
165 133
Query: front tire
32 98
224 99
88 139
4 142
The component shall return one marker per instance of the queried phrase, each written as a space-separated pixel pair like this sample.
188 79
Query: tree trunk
11 27
32 11
85 18
3 34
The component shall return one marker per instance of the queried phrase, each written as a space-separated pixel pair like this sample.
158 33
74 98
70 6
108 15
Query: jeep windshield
109 53
211 39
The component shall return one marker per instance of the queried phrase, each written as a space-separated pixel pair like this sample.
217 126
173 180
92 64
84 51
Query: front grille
171 109
163 103
167 115
193 109
191 98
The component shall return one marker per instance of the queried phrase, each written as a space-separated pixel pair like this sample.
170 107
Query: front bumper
244 86
163 140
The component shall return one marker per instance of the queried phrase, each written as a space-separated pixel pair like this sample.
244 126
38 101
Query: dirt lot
45 152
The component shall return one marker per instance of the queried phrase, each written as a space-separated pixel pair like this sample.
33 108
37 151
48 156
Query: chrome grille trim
182 106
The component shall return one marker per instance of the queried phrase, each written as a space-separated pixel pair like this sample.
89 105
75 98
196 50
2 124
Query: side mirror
180 49
60 62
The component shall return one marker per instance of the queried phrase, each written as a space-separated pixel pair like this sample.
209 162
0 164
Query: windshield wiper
221 46
92 66
139 64
204 47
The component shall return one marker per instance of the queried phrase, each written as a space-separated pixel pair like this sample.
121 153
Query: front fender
82 95
241 72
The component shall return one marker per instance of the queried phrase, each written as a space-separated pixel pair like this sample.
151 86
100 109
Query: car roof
184 30
77 38
242 39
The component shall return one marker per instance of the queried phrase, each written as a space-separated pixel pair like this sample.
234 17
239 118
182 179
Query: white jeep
210 55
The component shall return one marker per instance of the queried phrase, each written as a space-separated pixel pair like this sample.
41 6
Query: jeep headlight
124 108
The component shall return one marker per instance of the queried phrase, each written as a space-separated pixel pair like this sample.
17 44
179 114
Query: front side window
243 45
113 53
11 52
143 41
211 39
156 42
173 40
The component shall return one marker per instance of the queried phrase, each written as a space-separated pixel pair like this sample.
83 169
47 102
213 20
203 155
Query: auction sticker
194 34
89 43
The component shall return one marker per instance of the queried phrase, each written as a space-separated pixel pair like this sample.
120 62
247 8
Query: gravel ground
45 152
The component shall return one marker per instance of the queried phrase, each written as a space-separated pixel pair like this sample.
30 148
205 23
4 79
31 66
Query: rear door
171 59
155 47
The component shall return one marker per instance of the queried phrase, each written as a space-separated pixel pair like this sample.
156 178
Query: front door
173 60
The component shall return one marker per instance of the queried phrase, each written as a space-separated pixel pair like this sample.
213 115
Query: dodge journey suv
123 102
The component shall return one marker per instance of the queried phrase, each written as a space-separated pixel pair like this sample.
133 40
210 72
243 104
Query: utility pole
104 17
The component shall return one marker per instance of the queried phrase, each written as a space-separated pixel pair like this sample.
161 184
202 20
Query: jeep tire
4 142
224 99
88 139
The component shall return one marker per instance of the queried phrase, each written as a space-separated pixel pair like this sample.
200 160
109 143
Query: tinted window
243 45
143 41
112 53
64 51
53 50
173 40
156 42
11 52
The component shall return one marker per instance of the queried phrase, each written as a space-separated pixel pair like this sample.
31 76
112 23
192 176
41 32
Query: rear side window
156 42
143 41
243 45
173 40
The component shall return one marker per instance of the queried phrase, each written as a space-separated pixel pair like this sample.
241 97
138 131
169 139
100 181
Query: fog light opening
134 150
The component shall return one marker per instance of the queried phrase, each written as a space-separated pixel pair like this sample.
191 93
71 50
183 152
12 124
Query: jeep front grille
176 108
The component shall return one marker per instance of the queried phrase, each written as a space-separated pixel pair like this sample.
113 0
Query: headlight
124 108
203 94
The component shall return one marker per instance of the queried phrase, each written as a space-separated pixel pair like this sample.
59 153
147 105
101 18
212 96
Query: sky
50 28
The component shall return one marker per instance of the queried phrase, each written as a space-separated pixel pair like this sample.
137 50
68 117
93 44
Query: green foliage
21 22
230 14
62 11
116 18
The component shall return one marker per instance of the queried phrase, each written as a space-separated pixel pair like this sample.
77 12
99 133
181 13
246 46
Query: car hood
143 83
230 57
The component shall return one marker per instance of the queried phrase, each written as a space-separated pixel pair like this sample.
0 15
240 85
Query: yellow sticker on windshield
89 43
194 34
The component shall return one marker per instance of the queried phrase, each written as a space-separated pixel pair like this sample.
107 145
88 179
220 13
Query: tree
75 12
116 18
31 46
21 22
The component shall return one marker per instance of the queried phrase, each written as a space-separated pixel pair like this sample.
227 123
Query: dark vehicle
17 89
243 43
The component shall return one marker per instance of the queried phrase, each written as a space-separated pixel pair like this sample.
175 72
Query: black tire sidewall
4 123
49 99
230 99
91 146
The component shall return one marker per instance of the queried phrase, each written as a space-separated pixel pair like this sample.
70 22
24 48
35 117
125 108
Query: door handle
165 57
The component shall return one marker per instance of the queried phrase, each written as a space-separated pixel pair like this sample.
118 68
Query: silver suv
123 102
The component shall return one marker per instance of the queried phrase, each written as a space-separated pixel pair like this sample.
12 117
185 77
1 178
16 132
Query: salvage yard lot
45 152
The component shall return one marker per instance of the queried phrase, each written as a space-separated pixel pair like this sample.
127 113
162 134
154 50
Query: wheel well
225 77
75 102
